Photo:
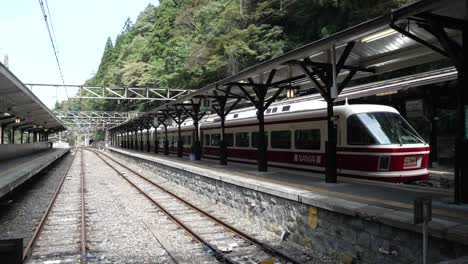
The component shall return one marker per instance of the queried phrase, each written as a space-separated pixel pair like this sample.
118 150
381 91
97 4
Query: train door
202 142
339 141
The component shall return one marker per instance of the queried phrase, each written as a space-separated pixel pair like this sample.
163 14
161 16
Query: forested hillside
189 43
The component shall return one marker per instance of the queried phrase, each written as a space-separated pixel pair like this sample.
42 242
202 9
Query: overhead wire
52 26
44 13
277 11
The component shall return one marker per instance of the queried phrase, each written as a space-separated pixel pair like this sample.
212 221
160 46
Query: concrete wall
9 151
351 238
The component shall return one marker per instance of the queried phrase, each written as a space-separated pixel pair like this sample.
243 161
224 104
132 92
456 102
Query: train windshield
380 128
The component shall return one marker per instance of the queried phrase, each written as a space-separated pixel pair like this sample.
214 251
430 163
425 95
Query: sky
81 30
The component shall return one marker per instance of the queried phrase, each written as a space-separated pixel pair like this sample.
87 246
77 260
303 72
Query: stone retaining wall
353 239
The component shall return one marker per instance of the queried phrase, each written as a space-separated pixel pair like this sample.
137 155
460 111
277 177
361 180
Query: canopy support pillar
196 117
261 103
178 119
2 133
156 142
329 90
148 145
435 25
222 112
166 141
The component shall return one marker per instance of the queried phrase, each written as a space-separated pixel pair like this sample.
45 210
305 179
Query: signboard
414 108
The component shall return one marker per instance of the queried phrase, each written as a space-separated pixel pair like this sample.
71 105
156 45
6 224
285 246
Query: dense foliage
189 43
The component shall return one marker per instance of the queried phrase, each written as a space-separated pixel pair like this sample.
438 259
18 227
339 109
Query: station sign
414 108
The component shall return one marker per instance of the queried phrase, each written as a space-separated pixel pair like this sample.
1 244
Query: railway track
61 233
223 241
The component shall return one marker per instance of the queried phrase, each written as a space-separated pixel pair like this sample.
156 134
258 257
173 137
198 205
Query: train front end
381 145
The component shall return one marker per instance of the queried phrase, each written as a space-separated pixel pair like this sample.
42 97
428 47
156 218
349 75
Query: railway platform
361 204
15 171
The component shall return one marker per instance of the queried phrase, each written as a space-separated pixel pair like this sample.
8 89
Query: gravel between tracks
126 228
229 215
59 240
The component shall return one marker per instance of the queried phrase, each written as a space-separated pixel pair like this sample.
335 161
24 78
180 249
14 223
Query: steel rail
218 254
265 247
39 227
84 259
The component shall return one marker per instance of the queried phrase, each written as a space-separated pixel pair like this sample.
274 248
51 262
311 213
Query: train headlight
384 163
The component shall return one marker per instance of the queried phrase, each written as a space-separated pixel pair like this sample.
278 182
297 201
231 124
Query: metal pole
330 145
223 156
262 149
166 141
12 136
461 142
179 139
425 224
141 140
156 141
463 79
196 143
148 145
2 133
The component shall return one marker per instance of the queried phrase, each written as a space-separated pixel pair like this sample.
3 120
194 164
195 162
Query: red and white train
374 141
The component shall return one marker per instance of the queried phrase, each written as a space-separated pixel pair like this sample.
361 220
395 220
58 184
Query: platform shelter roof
16 100
371 48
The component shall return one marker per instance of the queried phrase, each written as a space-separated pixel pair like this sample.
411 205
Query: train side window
286 108
215 138
229 139
255 139
268 110
207 139
281 139
235 115
242 139
307 139
274 110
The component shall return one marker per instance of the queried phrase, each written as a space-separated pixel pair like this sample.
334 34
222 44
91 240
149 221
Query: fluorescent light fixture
290 92
378 35
6 114
387 93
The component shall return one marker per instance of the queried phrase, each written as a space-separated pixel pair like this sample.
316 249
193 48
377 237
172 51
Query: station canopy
403 38
17 101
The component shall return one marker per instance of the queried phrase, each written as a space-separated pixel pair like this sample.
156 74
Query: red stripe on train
379 178
383 150
356 162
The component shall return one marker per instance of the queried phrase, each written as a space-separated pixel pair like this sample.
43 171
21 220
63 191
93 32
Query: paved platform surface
14 172
388 203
